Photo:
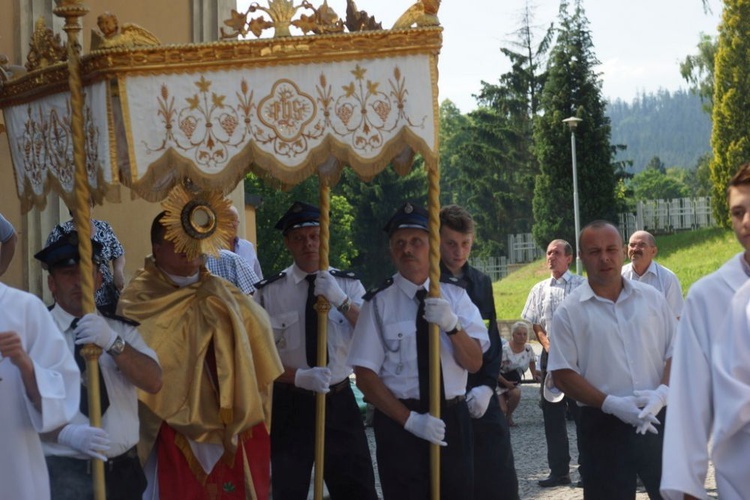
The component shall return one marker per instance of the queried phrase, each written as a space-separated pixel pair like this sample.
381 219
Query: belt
333 389
416 404
111 463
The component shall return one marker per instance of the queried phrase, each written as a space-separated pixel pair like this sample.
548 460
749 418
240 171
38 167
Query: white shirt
121 418
731 400
663 280
618 347
23 471
245 249
284 300
546 296
690 414
385 337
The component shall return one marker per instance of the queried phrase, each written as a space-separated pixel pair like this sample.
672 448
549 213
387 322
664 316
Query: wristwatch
456 329
117 347
345 306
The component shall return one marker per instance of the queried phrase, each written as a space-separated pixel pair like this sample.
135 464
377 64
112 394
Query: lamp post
572 123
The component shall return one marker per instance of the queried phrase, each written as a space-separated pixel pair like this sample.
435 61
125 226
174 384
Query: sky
639 43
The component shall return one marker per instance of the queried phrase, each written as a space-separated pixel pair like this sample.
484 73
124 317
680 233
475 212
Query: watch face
117 347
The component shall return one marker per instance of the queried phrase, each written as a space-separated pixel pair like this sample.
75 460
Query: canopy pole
433 208
72 11
322 306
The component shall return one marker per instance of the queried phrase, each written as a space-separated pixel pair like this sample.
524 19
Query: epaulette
266 281
344 274
452 280
117 317
374 291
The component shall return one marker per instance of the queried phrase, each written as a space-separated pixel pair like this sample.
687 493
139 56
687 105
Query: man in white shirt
543 300
8 239
243 247
289 298
126 364
691 414
642 267
611 353
390 358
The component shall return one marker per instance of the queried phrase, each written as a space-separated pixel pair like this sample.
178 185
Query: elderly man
691 418
494 468
544 298
289 298
390 358
611 353
39 391
205 436
642 267
234 269
126 364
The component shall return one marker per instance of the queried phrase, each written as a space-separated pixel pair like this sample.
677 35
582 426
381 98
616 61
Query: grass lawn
690 255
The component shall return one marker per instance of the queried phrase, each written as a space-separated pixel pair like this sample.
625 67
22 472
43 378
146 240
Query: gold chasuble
218 357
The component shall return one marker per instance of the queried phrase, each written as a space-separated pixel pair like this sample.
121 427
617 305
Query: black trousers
404 459
555 431
70 478
613 455
494 466
347 470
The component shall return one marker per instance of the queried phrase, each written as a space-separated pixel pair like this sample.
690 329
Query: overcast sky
639 43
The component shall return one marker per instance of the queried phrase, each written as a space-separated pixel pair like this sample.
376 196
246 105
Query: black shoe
554 481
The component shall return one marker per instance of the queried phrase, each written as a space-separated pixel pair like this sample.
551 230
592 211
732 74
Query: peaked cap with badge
63 252
300 214
408 216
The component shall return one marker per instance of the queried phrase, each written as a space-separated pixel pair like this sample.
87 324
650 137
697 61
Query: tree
656 164
655 184
730 139
698 70
572 88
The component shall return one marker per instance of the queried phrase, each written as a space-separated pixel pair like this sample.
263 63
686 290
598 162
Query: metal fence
655 216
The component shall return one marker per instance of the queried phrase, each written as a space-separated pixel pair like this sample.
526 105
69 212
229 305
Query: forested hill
670 125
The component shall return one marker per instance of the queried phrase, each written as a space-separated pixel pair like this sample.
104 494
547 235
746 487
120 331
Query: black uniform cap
63 252
408 216
299 215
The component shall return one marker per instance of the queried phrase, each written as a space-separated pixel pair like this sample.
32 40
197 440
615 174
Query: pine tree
572 88
730 138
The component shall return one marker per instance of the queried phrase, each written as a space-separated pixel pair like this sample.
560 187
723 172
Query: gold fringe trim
195 467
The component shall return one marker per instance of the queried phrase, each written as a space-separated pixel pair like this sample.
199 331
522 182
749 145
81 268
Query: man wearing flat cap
126 364
289 297
390 358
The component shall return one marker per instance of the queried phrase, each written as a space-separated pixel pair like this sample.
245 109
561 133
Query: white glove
655 401
317 379
427 427
93 329
326 285
437 310
92 441
627 409
478 399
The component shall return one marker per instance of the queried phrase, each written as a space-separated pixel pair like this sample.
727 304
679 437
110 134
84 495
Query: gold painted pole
433 207
71 11
322 306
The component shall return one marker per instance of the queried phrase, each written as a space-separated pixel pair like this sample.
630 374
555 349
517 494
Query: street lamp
572 123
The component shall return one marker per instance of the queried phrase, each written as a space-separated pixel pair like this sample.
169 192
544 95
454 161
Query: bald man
641 252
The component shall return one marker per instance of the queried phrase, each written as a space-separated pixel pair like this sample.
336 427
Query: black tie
81 362
423 352
311 323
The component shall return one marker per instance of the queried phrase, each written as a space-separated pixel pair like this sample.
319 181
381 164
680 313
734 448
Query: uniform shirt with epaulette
284 296
385 336
120 420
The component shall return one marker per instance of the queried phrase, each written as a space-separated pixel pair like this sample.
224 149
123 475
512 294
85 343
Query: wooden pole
72 11
322 306
433 208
